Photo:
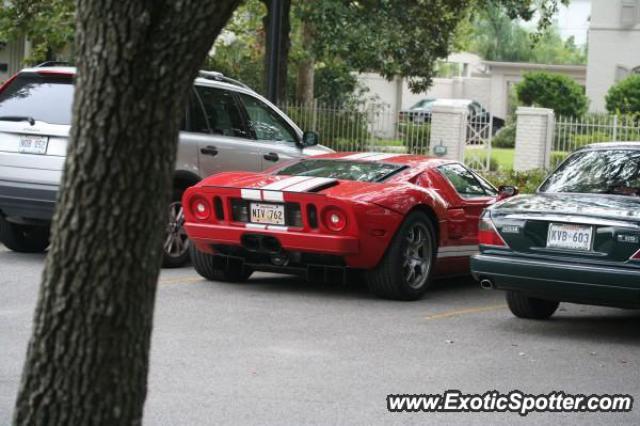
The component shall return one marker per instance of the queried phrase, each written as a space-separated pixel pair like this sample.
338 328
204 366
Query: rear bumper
25 201
205 236
562 281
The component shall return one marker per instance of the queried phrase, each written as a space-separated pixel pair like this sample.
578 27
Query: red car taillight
335 219
488 234
636 256
200 208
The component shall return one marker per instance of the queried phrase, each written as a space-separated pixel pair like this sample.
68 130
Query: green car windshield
615 171
360 171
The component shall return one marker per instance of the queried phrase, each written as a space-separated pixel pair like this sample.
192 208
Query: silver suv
226 126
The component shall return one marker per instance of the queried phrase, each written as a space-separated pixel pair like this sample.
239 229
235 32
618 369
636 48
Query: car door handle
272 156
209 150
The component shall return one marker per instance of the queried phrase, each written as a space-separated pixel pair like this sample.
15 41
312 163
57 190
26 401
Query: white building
614 46
490 83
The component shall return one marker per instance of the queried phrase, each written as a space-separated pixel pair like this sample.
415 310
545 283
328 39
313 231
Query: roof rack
53 64
218 76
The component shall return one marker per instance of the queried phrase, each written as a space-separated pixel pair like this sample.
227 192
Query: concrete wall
614 37
534 137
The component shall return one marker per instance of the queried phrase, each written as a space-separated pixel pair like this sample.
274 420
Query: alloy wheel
176 243
417 256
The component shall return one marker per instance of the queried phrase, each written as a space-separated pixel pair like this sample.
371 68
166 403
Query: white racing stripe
275 196
309 185
251 194
276 186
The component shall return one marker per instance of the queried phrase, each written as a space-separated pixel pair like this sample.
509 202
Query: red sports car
400 219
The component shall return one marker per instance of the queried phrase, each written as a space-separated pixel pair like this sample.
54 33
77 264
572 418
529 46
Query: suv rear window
45 98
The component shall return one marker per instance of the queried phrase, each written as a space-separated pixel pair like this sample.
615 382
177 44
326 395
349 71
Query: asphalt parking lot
280 351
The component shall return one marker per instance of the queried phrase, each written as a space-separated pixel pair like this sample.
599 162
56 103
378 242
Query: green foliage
335 84
400 37
624 96
557 157
495 36
555 91
48 24
506 137
527 182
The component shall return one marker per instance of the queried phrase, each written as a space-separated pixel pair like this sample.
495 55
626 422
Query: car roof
610 145
205 78
411 160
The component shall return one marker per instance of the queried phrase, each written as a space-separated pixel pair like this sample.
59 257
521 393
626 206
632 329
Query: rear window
615 171
44 98
345 170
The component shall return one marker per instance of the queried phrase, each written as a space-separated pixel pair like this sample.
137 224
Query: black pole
275 29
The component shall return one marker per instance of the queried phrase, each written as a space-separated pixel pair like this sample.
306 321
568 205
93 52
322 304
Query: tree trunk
306 74
87 359
285 45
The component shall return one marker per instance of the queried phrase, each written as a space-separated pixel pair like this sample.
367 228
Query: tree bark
306 70
87 359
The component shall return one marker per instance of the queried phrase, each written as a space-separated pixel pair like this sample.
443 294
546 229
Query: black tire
24 238
529 307
175 246
216 268
389 279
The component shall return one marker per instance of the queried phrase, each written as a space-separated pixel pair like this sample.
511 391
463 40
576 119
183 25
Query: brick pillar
449 129
534 138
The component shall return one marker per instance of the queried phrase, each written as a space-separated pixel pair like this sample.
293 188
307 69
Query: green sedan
575 240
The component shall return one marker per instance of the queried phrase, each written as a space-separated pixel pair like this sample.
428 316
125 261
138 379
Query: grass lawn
504 157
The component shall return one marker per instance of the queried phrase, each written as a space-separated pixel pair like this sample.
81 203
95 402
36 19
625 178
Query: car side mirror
309 139
507 191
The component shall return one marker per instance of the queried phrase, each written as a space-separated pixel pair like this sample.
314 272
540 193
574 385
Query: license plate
33 144
572 237
271 214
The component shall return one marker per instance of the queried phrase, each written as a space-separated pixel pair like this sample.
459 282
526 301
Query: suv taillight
636 256
488 234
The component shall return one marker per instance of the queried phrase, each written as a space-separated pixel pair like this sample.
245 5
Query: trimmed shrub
555 91
624 96
506 137
527 182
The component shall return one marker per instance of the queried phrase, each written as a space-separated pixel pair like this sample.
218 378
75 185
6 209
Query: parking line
181 280
460 312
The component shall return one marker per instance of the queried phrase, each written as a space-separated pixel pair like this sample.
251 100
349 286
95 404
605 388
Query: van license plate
271 214
572 237
33 144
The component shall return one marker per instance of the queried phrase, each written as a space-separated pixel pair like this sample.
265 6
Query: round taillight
335 219
200 208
